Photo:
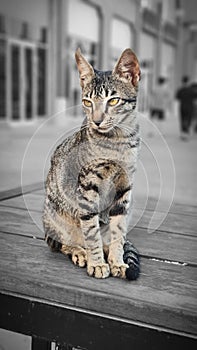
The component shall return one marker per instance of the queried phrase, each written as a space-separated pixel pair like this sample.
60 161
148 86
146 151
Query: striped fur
90 181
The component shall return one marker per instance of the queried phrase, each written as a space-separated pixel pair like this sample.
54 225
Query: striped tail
132 258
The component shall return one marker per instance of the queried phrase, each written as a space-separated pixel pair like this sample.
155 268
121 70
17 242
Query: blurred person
160 102
194 106
185 97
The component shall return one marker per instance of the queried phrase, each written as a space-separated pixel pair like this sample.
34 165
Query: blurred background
38 39
39 79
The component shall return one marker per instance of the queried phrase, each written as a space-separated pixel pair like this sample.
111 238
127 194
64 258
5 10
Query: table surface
164 297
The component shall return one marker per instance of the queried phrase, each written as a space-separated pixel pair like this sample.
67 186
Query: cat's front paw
79 256
119 270
101 270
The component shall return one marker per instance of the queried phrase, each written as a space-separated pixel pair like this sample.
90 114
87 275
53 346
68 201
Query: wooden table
44 295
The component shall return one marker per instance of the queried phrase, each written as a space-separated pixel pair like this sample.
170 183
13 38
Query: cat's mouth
102 128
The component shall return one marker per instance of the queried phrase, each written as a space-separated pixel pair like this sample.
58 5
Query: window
2 78
15 80
29 87
42 68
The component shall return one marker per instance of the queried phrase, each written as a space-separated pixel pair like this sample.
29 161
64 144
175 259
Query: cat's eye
87 103
113 101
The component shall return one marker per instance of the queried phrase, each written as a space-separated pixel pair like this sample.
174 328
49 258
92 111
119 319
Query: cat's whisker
126 128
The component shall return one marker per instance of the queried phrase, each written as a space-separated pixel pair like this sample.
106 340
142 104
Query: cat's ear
128 67
85 69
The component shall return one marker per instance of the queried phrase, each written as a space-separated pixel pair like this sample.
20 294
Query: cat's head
108 97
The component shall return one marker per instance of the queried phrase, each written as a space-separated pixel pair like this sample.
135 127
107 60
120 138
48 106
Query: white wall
168 11
83 20
167 59
121 34
147 47
32 11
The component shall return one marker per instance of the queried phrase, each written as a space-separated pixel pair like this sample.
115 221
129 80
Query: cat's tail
131 257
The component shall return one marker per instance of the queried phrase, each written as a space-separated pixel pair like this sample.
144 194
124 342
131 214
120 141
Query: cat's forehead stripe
101 85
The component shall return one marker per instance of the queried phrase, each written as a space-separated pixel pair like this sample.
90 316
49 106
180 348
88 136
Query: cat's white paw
99 271
119 270
79 257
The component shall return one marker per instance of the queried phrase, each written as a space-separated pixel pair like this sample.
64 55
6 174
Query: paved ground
167 167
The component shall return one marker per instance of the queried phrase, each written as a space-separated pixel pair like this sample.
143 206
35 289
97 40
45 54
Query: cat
90 181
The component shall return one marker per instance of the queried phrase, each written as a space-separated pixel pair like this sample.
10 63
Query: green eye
113 101
87 103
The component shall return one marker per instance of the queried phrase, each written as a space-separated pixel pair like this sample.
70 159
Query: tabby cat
90 181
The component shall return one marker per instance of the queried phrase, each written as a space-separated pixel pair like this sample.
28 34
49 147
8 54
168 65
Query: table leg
40 344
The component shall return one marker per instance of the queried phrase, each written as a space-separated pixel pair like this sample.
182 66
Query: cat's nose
98 122
98 117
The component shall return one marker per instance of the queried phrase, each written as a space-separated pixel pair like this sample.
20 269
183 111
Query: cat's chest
118 150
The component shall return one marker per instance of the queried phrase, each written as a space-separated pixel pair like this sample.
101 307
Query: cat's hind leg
53 244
